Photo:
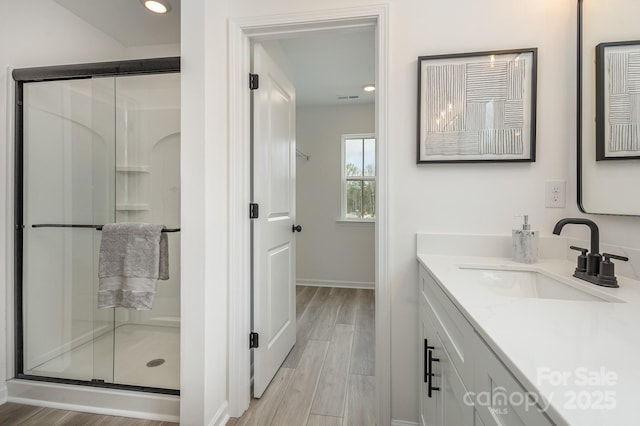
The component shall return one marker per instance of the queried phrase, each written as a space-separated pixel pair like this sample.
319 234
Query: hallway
328 377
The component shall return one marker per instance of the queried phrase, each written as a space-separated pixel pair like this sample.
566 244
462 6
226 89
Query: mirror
608 178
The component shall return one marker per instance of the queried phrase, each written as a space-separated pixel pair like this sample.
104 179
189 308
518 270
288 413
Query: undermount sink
531 283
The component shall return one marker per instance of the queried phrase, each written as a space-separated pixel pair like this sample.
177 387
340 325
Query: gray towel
133 256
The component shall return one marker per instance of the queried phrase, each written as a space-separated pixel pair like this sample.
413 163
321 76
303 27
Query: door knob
296 228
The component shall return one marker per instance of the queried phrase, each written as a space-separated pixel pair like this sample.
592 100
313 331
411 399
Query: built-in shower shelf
132 207
133 169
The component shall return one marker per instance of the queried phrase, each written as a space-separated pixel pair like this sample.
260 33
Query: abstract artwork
477 107
618 100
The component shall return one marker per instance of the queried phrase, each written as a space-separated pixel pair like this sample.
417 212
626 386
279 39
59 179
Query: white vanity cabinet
465 368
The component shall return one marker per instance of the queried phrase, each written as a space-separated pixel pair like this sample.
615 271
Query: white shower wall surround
98 150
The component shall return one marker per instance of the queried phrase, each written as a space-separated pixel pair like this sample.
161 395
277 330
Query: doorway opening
242 34
314 171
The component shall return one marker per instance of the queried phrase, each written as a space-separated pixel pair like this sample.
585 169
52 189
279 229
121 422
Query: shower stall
95 144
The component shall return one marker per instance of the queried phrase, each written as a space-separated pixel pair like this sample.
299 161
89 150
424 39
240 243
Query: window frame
344 178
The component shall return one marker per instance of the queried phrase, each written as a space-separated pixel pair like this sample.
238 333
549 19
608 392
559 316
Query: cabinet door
447 404
457 405
454 329
504 401
430 407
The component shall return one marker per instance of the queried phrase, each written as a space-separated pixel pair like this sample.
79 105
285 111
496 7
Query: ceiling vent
347 97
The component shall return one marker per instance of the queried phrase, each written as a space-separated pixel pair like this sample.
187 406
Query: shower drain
155 362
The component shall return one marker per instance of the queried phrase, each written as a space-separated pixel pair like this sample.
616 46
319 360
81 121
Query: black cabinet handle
430 386
427 372
296 228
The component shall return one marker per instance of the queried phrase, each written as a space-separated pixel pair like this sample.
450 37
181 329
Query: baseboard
402 423
339 284
3 394
222 416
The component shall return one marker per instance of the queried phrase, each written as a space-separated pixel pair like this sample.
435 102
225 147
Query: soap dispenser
525 243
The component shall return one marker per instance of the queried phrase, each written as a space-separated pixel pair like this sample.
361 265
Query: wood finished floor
28 415
326 380
328 377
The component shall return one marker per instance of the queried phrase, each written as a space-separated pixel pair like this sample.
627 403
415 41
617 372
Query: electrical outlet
555 193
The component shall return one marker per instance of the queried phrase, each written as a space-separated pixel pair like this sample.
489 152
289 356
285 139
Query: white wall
470 198
33 33
483 198
204 236
155 51
328 250
460 198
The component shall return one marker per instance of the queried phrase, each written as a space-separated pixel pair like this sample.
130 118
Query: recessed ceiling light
369 87
156 6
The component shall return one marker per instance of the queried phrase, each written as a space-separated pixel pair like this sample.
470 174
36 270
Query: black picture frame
617 91
477 107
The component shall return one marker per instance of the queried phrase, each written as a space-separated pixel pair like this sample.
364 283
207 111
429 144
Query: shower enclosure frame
52 73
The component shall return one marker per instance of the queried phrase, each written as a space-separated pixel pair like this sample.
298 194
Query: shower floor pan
142 355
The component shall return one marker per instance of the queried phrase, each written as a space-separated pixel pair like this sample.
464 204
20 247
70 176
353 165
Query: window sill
355 221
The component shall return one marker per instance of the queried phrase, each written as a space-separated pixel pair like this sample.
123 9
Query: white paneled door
274 256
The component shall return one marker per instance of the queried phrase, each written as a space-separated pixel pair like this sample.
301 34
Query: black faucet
591 267
593 258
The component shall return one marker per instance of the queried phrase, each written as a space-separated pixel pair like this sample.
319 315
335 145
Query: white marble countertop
583 357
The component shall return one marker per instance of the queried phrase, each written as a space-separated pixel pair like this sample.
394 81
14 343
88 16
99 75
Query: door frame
241 34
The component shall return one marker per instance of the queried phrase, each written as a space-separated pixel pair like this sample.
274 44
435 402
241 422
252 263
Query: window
359 177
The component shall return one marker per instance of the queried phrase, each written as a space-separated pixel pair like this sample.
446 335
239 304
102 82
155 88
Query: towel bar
96 227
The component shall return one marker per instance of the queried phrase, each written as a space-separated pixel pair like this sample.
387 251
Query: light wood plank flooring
28 415
327 378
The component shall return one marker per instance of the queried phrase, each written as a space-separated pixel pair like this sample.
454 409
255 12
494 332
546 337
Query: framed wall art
477 107
618 100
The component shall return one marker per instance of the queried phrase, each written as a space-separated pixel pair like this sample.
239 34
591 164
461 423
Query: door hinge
253 340
254 81
253 211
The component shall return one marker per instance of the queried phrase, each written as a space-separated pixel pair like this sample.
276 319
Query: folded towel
133 256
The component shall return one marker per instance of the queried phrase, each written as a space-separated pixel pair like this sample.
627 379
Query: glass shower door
147 342
67 180
96 151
